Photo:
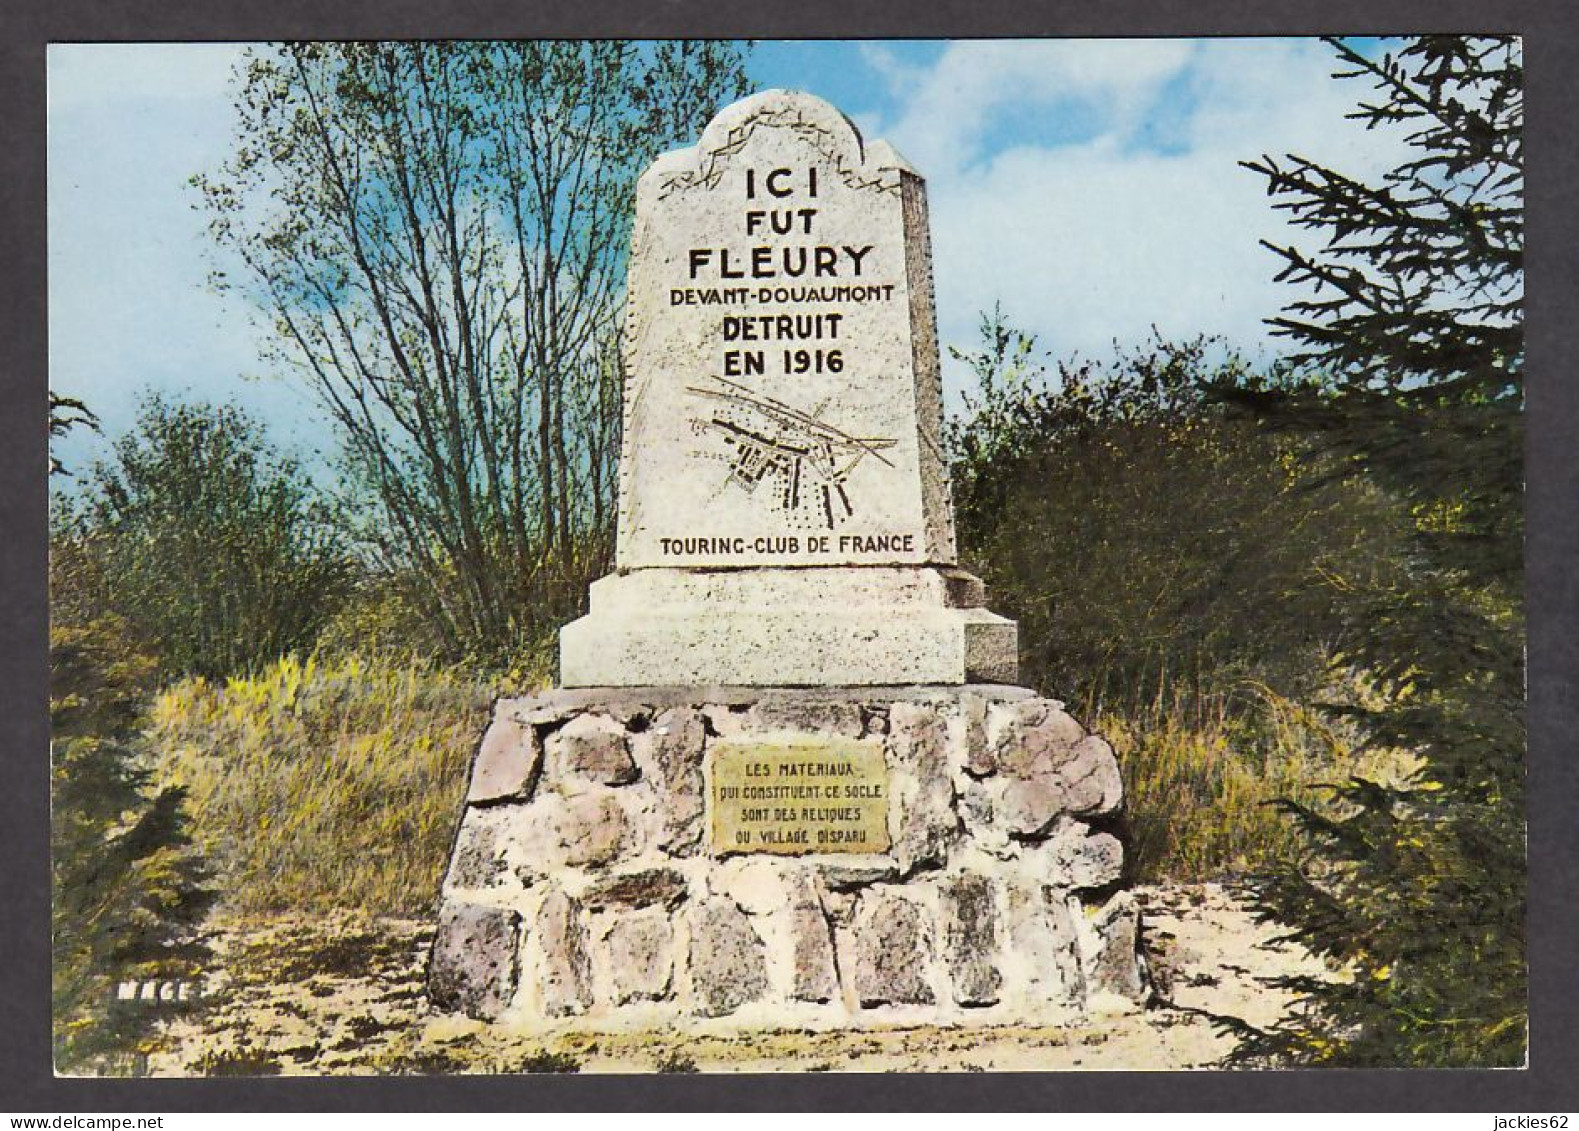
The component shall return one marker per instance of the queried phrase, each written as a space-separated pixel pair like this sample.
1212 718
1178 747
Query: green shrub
1408 322
127 890
324 785
1147 544
204 540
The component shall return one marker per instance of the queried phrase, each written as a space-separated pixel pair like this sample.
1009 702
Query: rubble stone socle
976 906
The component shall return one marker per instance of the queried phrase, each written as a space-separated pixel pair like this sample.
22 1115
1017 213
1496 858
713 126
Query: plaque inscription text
798 796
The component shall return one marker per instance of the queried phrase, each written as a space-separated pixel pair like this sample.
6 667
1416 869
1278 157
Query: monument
784 515
788 780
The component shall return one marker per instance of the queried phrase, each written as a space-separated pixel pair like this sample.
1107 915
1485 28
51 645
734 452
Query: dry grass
334 785
318 787
1200 786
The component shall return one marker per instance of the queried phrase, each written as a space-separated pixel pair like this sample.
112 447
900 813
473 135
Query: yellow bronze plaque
793 797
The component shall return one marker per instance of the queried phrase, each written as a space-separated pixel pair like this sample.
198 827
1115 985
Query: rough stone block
1115 964
536 832
535 710
815 973
1094 784
594 829
1085 783
755 884
663 886
1028 807
479 857
507 763
918 745
474 963
590 748
670 749
970 938
640 953
1042 935
979 760
844 877
1030 739
726 959
793 713
1060 909
816 976
590 829
893 950
1079 858
563 971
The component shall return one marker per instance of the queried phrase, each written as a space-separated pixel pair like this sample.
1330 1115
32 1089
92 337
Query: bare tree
437 233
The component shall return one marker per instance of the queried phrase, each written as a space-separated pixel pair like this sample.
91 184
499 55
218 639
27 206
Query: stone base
857 626
584 890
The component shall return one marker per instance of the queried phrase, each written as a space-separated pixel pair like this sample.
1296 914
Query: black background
27 1085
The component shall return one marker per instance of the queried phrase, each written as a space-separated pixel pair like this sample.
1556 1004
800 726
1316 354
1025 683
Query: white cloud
1102 237
950 108
899 76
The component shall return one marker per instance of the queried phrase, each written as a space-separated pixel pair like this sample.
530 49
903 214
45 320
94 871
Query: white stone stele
784 512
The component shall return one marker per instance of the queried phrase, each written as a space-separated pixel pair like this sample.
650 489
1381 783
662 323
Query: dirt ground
345 997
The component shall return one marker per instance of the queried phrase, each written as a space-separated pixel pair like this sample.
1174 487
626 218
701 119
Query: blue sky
1091 187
